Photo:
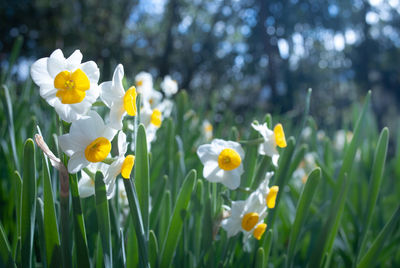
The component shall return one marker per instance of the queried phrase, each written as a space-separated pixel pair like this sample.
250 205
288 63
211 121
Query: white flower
152 120
169 86
207 129
144 86
67 84
114 96
271 140
222 162
89 141
122 165
268 194
246 216
86 185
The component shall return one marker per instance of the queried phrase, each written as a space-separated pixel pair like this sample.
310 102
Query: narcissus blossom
272 138
120 102
222 162
246 216
86 183
89 141
169 86
67 84
122 165
207 129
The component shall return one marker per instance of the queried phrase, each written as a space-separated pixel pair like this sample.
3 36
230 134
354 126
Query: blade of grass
53 247
375 184
6 259
40 227
369 259
281 177
28 209
153 249
303 207
81 249
176 223
103 219
259 258
137 222
142 177
267 245
16 48
329 230
18 192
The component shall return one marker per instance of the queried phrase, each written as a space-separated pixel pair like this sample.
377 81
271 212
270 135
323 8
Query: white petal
80 108
92 71
118 75
48 92
74 60
117 112
231 179
275 159
92 93
91 125
106 93
85 186
69 145
56 63
77 162
64 111
206 152
122 144
210 170
40 75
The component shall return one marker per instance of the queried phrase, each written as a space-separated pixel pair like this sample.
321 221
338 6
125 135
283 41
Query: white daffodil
89 141
222 162
67 84
144 86
169 86
271 140
247 216
114 96
267 194
86 183
122 165
152 120
207 130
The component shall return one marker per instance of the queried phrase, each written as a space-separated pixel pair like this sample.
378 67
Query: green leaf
153 249
370 258
281 177
178 216
53 247
103 219
18 195
250 160
259 258
375 183
99 253
28 209
81 248
142 177
11 129
303 207
40 227
329 230
137 222
16 48
6 259
267 244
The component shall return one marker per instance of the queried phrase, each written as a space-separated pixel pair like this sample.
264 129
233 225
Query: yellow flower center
130 101
139 83
156 118
208 128
271 197
127 166
71 86
98 150
279 136
259 230
229 159
249 221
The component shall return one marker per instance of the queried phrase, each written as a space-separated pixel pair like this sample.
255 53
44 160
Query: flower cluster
222 162
71 87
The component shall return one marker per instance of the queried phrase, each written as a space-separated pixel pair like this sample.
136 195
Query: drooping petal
77 162
122 144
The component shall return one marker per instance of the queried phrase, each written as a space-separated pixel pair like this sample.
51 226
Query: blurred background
251 56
